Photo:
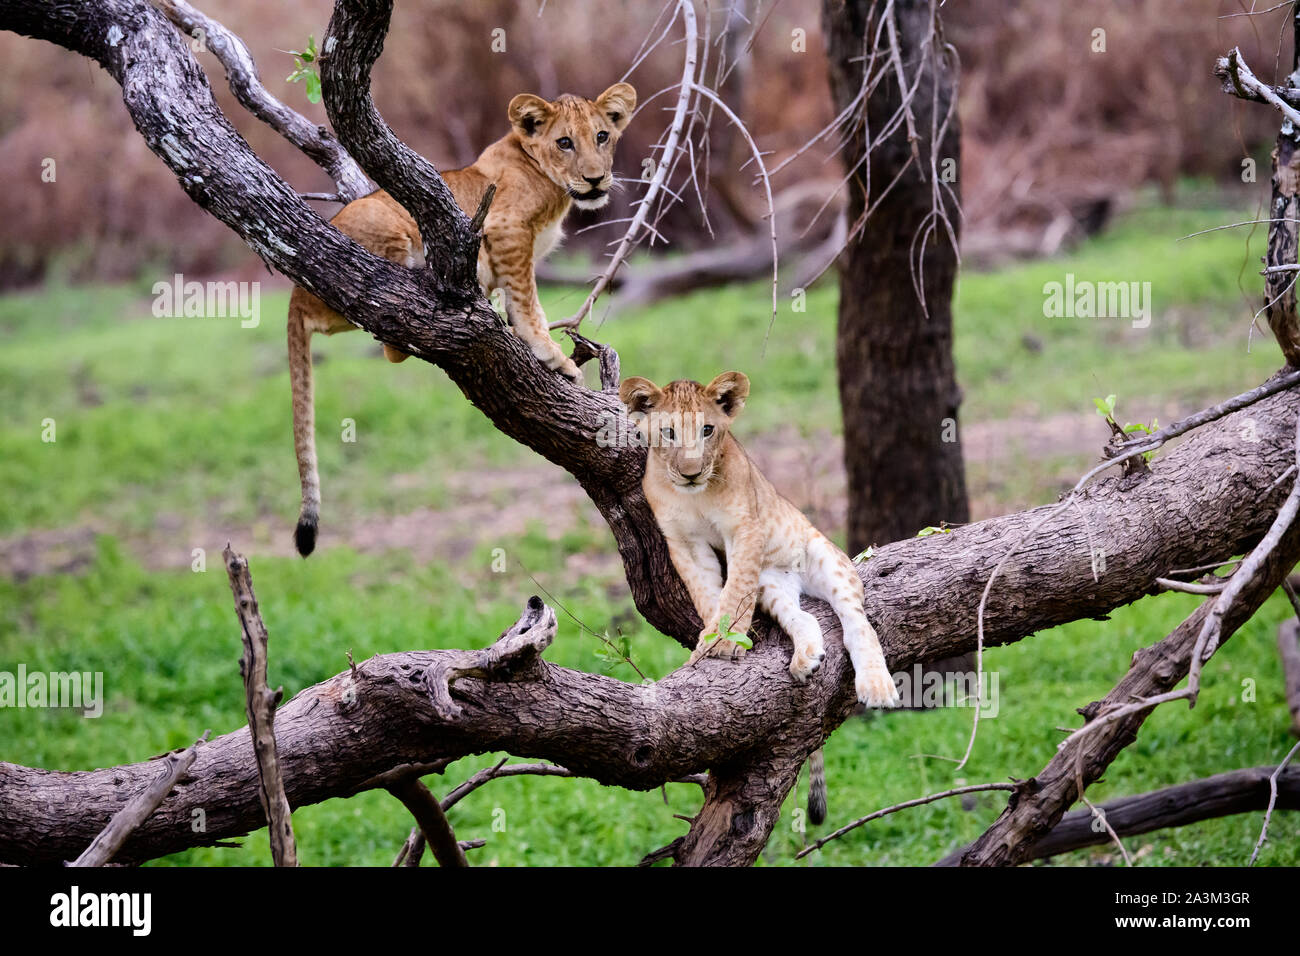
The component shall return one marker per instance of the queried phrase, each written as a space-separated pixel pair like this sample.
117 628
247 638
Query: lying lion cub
707 496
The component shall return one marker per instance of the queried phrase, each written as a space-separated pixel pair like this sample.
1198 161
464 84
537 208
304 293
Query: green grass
164 418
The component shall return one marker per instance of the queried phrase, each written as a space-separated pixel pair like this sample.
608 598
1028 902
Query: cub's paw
711 646
805 662
571 372
876 688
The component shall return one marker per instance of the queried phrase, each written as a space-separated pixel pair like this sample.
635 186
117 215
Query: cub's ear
528 113
617 103
729 390
638 394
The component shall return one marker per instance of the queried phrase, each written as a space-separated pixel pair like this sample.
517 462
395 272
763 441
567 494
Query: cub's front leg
698 567
512 265
738 597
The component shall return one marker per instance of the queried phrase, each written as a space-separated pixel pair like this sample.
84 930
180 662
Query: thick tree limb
260 703
110 839
1284 207
1288 649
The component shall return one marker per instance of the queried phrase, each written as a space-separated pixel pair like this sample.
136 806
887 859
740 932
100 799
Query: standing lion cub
707 497
557 154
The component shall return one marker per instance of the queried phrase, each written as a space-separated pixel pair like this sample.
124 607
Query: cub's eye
602 137
564 143
706 431
667 434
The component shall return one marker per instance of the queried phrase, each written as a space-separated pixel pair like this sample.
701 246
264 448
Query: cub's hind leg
778 595
830 575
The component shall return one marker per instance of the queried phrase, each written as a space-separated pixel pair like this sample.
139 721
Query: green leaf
313 88
741 640
926 532
864 555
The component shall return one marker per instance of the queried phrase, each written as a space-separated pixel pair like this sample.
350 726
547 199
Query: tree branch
103 848
260 703
315 141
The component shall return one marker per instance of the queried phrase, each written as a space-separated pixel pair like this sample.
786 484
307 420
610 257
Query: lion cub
707 496
556 155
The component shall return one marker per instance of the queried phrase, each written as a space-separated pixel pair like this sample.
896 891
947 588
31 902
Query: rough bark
1288 650
898 388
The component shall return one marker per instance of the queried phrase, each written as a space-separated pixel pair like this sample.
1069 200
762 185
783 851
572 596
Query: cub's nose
593 180
694 476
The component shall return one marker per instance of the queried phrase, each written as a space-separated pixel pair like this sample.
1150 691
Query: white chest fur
547 240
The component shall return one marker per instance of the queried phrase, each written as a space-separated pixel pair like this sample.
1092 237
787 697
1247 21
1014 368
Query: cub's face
685 423
573 139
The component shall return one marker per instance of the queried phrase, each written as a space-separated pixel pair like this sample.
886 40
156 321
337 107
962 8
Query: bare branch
260 703
633 234
103 848
245 82
437 831
1272 802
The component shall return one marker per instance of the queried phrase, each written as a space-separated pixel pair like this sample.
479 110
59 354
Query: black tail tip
817 808
304 537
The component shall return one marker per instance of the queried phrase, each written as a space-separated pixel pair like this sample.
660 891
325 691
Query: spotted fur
557 155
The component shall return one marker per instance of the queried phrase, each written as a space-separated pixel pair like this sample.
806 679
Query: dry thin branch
634 231
1238 791
1272 801
1211 630
103 848
1190 587
1113 722
245 82
919 801
260 703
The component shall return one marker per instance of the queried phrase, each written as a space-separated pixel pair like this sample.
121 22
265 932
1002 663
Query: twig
633 234
956 792
1188 587
105 846
260 704
245 82
1272 801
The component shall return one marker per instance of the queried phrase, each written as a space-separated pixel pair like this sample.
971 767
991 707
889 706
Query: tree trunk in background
898 390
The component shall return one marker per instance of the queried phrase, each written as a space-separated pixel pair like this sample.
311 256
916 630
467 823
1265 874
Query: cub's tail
304 424
816 788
